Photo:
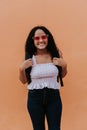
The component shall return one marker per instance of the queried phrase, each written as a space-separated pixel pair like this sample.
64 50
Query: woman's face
40 39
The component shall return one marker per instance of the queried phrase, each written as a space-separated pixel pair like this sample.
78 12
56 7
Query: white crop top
43 75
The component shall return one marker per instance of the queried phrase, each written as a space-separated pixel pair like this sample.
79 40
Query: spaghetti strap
34 60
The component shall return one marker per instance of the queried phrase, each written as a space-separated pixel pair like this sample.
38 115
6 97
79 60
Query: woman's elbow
23 81
64 73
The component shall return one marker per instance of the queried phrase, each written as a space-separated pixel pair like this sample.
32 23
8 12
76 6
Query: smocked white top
43 75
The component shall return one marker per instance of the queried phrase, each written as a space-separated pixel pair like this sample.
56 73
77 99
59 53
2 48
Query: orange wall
67 20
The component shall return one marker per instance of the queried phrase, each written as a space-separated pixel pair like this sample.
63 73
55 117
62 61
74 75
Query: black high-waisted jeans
45 102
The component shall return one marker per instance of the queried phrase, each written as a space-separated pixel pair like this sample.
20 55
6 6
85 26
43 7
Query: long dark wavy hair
30 50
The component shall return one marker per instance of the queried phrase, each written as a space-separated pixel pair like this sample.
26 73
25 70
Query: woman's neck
41 52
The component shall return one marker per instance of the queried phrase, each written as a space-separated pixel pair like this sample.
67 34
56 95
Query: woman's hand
26 64
62 63
22 75
59 62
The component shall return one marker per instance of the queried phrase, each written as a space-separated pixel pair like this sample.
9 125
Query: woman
42 68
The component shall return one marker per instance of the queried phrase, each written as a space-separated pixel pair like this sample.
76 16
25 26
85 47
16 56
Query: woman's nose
40 39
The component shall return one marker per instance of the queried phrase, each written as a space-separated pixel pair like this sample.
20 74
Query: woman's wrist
21 69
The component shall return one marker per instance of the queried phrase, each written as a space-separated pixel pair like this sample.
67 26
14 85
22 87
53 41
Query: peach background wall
67 20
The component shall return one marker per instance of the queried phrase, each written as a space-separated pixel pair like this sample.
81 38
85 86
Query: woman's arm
22 74
64 68
64 71
61 62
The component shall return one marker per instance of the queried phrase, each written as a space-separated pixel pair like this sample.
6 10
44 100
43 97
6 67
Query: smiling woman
40 40
45 65
67 20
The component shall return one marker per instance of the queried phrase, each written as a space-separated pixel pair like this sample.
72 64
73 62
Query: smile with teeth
41 44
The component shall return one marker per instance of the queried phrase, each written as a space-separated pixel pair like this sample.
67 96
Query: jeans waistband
44 89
